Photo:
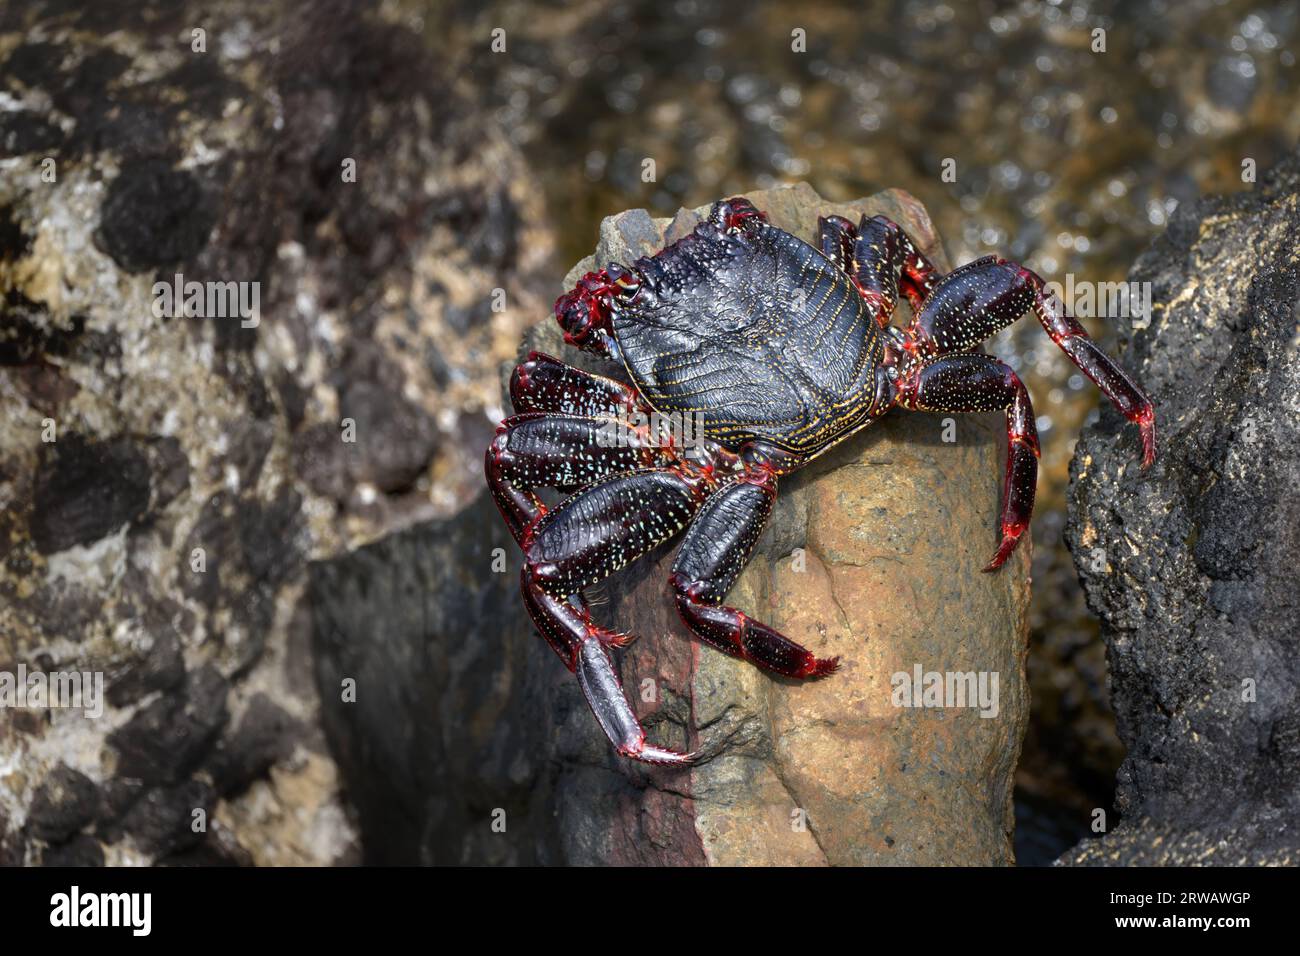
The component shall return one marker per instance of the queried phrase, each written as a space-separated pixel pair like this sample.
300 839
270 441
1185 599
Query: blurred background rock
483 171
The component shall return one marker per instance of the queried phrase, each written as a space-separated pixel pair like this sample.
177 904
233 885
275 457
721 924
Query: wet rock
874 553
1191 567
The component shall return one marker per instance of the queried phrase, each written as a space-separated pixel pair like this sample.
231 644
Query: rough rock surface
466 720
223 158
1191 568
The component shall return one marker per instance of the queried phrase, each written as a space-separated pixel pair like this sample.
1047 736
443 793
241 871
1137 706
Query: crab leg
969 304
881 251
545 384
836 237
734 213
1074 341
980 383
881 259
540 450
716 549
579 543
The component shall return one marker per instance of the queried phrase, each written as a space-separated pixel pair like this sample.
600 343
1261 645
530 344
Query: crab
781 350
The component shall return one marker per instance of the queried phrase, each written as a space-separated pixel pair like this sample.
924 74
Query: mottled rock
162 821
166 739
334 164
65 802
396 439
873 553
1191 567
265 737
85 489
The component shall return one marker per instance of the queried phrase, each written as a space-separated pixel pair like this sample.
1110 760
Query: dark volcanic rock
1192 566
396 439
163 820
154 216
86 489
265 737
165 740
65 803
447 725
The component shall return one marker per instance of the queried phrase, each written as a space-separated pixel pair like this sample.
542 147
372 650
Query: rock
465 720
65 802
167 739
154 216
448 717
264 738
85 489
81 850
334 165
1191 567
162 821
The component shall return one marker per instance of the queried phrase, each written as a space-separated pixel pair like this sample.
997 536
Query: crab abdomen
756 332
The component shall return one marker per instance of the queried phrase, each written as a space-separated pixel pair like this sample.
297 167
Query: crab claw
604 693
584 312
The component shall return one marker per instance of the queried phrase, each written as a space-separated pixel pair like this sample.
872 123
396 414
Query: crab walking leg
583 540
880 258
542 383
969 304
1114 382
716 549
735 213
886 259
980 383
540 450
836 236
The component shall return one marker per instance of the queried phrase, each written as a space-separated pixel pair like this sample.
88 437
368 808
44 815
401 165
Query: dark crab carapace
781 350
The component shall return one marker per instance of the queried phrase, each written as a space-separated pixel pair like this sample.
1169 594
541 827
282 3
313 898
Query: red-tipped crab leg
1113 381
716 549
604 692
579 543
